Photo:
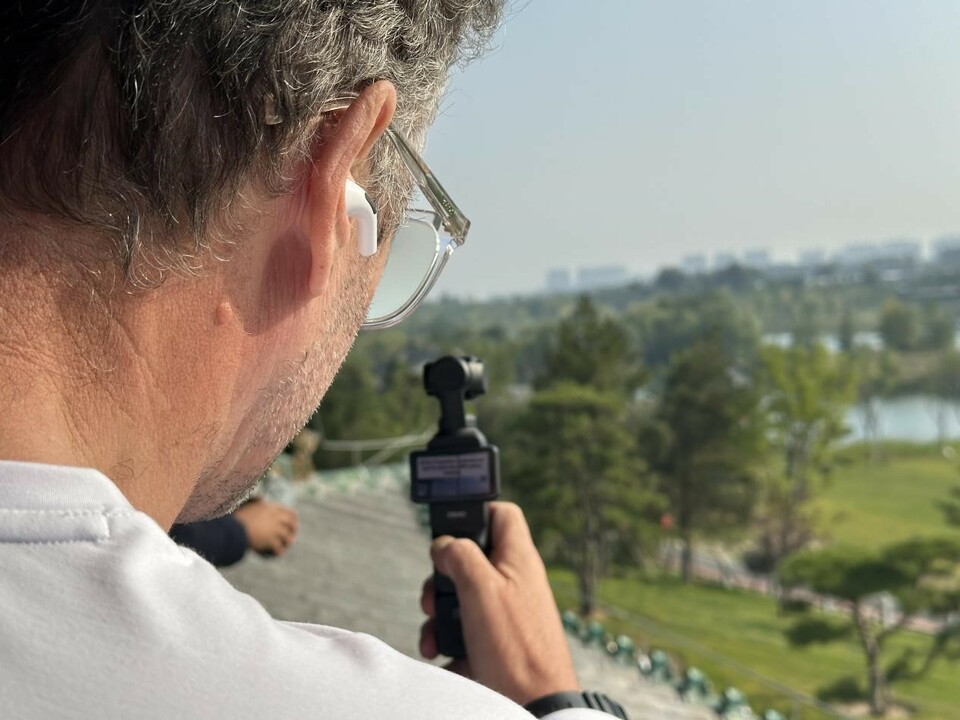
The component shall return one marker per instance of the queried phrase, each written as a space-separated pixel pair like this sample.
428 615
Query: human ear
332 197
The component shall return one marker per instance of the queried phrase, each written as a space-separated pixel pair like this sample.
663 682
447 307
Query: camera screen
453 477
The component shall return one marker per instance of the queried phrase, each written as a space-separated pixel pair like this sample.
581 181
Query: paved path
359 563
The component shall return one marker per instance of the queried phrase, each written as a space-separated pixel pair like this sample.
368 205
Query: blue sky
634 133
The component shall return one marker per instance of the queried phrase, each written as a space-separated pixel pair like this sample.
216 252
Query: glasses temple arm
455 222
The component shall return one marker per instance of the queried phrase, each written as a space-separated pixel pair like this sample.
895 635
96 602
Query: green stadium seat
740 713
660 669
571 622
734 706
693 686
593 634
626 649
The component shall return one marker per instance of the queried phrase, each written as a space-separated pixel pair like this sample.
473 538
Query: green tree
591 349
574 467
672 324
364 405
805 331
496 348
670 280
846 332
736 277
808 392
403 402
951 507
351 410
922 574
530 350
705 443
939 329
944 382
900 326
876 373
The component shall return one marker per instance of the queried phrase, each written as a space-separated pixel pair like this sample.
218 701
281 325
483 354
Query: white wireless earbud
361 208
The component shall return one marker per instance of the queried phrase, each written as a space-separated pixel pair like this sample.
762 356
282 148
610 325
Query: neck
181 395
102 406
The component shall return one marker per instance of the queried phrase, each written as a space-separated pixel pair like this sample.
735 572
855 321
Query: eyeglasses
422 244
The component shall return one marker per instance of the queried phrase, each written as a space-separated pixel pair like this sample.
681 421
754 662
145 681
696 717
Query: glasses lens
413 250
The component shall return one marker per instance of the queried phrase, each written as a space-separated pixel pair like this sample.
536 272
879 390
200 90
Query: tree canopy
575 468
922 574
705 442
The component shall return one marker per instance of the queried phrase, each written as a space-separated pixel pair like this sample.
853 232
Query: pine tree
705 443
573 465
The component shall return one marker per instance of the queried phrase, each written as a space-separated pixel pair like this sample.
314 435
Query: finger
510 539
462 561
428 640
278 545
428 598
288 529
289 520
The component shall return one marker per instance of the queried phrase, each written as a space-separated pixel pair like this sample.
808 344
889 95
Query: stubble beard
285 406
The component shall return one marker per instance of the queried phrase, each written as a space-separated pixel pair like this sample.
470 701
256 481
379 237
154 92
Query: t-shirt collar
29 486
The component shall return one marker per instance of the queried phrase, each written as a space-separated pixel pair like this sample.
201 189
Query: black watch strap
566 700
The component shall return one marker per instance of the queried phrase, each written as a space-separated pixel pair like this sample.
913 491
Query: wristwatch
566 700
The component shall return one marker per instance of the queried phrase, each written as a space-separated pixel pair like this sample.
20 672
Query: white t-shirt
102 615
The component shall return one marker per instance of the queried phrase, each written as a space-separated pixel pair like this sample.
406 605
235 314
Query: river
912 418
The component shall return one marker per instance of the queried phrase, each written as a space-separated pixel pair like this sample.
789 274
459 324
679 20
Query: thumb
461 560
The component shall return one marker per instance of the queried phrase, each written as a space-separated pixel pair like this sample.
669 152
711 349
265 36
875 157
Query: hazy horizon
634 133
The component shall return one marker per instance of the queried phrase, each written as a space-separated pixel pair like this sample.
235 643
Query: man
198 201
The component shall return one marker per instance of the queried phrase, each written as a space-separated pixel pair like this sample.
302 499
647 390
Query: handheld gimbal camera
456 476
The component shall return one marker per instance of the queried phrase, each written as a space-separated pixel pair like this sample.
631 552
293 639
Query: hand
511 627
271 528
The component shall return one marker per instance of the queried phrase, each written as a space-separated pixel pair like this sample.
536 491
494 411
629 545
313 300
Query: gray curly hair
144 118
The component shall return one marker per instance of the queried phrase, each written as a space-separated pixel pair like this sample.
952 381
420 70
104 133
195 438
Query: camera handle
465 520
453 381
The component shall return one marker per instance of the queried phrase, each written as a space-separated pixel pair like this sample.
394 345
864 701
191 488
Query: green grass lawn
872 504
746 629
867 504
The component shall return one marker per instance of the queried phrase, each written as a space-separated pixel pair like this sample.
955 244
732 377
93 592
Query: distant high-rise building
813 258
559 281
892 252
601 276
946 250
757 259
856 255
694 264
904 250
724 260
893 259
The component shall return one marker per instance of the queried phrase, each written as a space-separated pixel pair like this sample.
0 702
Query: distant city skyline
572 279
635 134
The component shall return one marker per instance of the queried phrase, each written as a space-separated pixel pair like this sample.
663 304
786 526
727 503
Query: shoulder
139 627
